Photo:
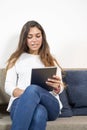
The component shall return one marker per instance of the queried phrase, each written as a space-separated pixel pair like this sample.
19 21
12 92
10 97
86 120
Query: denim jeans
33 109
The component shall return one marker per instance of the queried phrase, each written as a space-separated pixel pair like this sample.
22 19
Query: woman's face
34 40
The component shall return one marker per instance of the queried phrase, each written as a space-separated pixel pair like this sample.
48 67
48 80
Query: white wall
65 23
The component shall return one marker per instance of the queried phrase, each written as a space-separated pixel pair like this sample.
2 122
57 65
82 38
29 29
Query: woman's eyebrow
32 34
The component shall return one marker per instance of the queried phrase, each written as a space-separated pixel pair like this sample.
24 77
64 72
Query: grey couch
72 118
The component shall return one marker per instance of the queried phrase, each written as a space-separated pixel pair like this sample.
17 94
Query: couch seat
71 123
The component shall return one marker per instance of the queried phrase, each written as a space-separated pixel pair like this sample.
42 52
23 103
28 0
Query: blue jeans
33 109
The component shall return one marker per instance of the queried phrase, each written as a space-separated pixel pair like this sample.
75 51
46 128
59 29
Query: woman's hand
17 92
54 82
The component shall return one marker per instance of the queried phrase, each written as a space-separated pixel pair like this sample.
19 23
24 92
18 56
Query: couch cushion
72 123
4 98
66 110
5 122
77 123
77 88
79 111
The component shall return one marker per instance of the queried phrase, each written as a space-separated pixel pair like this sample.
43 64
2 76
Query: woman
31 106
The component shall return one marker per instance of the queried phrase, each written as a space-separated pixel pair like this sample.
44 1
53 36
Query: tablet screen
40 75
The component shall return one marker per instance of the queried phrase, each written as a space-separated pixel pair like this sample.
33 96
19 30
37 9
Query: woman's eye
37 36
29 37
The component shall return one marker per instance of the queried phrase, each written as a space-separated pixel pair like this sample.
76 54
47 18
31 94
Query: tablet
40 75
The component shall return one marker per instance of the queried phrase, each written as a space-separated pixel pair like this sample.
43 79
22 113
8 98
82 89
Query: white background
64 21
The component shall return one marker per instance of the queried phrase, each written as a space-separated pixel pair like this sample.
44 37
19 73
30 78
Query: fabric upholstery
77 90
70 123
4 98
66 111
79 111
75 122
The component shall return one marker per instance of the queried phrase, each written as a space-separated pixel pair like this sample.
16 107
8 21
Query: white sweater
20 75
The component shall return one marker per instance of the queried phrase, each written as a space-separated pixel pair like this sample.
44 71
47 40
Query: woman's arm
11 83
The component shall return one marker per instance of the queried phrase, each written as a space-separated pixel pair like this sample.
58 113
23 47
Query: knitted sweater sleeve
10 82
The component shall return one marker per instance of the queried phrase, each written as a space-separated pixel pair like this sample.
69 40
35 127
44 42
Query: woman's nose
34 39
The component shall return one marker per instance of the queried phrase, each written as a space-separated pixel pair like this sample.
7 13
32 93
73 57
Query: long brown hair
44 51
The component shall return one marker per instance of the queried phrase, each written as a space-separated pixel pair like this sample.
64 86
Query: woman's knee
32 88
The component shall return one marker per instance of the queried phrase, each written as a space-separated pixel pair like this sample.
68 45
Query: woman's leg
24 109
28 103
39 118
